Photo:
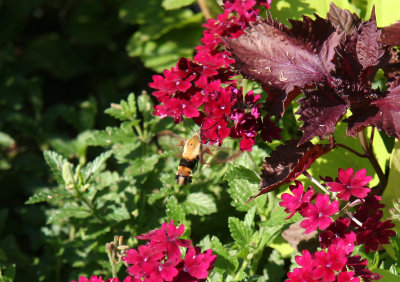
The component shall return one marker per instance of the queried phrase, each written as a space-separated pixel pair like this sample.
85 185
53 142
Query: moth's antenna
188 125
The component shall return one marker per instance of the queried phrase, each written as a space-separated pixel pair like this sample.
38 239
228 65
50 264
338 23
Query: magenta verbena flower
166 239
198 264
299 199
160 258
347 276
318 214
205 90
94 278
348 185
329 263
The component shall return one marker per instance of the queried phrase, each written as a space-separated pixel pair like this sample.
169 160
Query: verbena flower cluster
205 90
362 225
160 259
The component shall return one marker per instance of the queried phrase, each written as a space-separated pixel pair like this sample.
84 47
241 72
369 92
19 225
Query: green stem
88 205
244 265
367 147
111 260
253 163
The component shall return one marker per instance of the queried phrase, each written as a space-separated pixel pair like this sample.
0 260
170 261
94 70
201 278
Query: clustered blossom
204 89
94 278
160 258
363 226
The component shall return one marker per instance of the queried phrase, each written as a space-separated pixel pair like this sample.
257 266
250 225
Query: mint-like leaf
240 232
175 211
199 204
224 262
48 196
56 163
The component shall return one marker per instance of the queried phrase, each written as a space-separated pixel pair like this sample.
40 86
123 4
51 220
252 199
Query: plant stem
253 163
316 182
111 260
351 150
367 147
204 8
88 205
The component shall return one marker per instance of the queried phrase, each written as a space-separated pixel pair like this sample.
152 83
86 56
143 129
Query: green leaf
288 9
50 195
176 4
145 106
392 192
175 211
56 163
386 275
68 212
110 136
160 194
94 167
199 204
274 225
6 140
160 47
387 11
9 274
126 110
249 217
225 261
117 214
240 232
243 184
142 166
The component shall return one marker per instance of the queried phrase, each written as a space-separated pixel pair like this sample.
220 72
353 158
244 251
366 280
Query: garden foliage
97 185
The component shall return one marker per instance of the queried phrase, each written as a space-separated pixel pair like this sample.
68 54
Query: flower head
298 200
347 185
374 232
166 238
318 214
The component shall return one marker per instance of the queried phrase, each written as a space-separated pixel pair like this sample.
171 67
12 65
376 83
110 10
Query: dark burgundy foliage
391 34
287 162
321 110
344 20
333 62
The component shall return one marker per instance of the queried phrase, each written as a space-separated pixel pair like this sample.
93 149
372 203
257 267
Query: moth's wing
170 142
220 154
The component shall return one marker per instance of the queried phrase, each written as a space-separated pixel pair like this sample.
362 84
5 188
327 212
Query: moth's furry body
192 152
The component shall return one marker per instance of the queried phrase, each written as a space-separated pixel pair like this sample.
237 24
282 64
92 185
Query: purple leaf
278 101
369 44
391 34
320 110
276 58
383 113
344 20
287 162
312 32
